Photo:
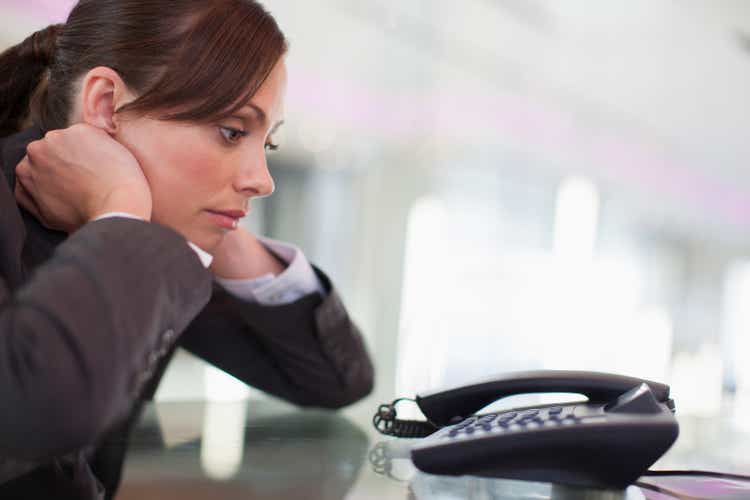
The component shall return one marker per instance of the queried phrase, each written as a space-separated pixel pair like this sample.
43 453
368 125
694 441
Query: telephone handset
608 441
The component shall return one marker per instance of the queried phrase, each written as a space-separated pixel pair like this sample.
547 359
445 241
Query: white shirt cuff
205 257
117 214
296 281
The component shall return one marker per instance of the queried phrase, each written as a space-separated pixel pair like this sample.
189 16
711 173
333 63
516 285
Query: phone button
555 410
466 423
504 420
487 419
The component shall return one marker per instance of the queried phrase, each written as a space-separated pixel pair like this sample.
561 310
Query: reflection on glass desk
263 449
223 451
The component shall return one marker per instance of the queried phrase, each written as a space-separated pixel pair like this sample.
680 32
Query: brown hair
188 60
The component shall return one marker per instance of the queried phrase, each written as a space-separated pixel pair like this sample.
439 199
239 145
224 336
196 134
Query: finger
34 148
24 198
24 177
23 169
27 201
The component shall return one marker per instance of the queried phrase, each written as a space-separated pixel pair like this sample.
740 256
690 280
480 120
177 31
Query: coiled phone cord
385 422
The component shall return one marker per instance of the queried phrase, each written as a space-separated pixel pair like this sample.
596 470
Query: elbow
57 421
356 389
67 426
355 393
72 433
84 413
49 432
55 402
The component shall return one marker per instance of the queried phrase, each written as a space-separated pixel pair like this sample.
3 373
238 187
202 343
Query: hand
241 256
76 174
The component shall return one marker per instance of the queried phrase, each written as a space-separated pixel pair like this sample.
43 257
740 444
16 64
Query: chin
209 243
205 236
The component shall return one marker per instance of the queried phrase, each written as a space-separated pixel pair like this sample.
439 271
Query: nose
253 178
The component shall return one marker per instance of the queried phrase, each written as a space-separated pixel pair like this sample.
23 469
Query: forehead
268 102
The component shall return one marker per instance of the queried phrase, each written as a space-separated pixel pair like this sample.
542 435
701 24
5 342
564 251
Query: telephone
606 442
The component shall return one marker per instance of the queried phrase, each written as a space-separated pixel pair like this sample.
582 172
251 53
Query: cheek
178 164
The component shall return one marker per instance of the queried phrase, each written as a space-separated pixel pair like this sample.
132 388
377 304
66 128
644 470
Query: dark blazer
88 323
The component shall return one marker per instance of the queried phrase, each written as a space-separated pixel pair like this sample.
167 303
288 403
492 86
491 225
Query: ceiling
649 93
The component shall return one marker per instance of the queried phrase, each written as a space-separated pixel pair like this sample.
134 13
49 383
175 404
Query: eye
232 135
271 146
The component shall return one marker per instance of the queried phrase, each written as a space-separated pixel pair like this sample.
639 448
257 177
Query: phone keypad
514 421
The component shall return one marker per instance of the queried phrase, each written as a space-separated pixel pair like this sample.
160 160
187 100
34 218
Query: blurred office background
502 185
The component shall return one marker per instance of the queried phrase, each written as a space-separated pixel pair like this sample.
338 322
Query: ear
103 92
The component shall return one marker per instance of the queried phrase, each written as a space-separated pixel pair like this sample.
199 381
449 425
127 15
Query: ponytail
22 69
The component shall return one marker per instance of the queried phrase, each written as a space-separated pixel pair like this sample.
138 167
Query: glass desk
268 450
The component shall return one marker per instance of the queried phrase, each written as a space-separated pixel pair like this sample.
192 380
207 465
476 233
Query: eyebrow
258 110
276 127
262 116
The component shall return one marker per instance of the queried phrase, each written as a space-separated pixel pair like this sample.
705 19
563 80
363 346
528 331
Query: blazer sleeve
76 338
308 352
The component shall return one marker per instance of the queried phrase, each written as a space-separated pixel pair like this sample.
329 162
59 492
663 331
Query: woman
133 139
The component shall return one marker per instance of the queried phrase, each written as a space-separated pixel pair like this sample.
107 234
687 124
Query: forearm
76 336
308 352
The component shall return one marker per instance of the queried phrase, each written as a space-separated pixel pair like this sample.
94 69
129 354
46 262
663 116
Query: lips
227 219
235 214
